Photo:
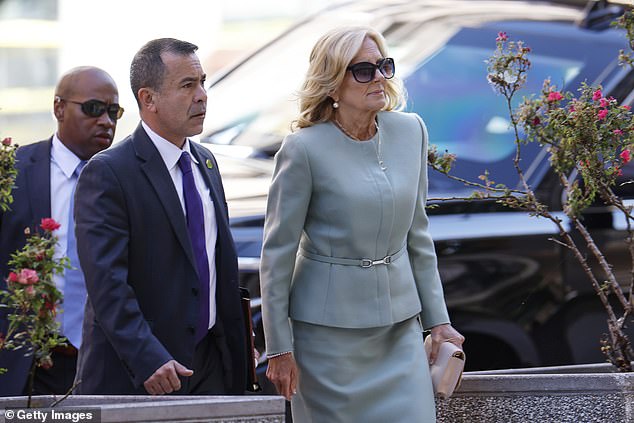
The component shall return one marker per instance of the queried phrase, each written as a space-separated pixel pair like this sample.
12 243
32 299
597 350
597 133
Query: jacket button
195 292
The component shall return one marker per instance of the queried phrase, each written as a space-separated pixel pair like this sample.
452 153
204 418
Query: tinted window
464 115
447 87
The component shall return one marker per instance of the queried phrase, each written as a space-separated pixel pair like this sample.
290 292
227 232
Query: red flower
554 96
49 224
627 107
604 102
28 277
597 95
48 307
618 132
6 141
536 121
602 114
502 36
625 156
13 277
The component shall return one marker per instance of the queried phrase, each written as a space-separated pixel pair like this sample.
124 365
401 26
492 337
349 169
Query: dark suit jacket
31 203
140 270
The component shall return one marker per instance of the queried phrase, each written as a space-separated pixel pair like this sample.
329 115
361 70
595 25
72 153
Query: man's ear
147 99
58 108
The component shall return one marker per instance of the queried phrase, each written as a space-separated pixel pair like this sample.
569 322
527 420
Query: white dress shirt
63 165
170 154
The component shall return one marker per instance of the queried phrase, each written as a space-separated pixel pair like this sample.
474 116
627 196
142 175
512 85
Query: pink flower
627 107
618 132
597 95
502 36
13 277
602 114
49 224
554 96
625 156
6 141
571 108
620 172
536 121
28 277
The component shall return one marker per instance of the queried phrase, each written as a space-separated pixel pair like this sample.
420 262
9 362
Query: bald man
86 107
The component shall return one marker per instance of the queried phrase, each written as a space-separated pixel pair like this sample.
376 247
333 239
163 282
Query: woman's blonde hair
329 59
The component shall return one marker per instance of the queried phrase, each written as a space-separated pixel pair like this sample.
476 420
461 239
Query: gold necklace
379 152
345 131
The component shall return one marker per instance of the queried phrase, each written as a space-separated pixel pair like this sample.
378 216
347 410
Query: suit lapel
212 179
38 179
153 166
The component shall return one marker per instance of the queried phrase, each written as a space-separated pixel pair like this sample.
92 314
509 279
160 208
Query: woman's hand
282 371
440 334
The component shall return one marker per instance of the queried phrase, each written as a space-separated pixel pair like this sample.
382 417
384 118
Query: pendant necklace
379 152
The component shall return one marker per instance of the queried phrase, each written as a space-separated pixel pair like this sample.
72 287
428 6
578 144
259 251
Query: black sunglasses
96 108
364 72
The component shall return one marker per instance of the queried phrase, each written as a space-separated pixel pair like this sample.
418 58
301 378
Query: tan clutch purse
446 372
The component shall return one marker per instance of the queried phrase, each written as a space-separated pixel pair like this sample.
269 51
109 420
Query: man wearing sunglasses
163 314
86 109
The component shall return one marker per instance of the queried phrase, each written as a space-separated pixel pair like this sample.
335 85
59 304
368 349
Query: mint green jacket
330 199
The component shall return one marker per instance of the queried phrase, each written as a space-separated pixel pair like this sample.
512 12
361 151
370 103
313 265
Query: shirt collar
168 151
65 159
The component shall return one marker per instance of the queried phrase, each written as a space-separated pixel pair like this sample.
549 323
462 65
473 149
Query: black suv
520 299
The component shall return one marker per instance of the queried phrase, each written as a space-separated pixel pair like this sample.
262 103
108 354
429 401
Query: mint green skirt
373 375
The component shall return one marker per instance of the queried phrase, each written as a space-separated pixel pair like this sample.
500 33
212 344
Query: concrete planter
575 394
137 409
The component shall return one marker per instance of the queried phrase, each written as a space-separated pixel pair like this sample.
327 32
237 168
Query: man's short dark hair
147 69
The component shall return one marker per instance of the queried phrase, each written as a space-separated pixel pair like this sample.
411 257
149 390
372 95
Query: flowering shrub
7 172
588 138
32 298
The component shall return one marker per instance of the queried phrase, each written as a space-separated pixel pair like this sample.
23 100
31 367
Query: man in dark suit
163 312
86 108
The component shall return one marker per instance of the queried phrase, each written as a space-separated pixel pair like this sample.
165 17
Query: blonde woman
349 271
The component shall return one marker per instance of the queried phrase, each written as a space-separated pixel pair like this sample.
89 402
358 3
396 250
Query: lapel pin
209 164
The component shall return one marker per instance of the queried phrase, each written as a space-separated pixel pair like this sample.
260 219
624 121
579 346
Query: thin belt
364 262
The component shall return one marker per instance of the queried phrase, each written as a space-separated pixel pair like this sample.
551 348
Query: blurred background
41 39
519 298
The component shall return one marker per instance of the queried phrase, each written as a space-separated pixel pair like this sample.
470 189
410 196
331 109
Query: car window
464 116
446 82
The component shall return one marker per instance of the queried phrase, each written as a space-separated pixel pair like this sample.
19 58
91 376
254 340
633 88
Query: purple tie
196 229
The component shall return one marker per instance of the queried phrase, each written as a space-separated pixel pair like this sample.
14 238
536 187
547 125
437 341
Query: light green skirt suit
353 328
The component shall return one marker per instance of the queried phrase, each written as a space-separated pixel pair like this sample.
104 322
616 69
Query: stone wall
507 397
